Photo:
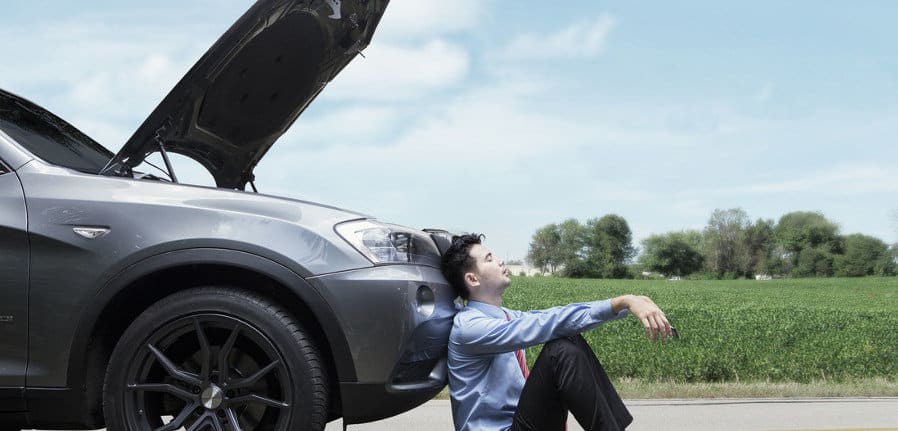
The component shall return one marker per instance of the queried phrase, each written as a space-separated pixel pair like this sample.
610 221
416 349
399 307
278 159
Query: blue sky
501 117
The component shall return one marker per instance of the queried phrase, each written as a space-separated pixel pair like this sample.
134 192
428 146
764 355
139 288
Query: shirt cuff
602 311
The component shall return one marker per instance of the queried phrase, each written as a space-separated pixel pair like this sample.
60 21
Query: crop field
793 330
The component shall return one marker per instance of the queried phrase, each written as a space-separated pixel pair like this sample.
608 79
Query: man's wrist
620 303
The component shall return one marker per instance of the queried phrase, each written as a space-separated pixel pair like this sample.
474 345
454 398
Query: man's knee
570 347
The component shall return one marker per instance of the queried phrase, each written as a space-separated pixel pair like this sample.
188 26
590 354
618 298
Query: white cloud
488 144
894 216
358 125
764 94
690 208
581 39
103 72
855 180
407 19
422 131
157 70
390 72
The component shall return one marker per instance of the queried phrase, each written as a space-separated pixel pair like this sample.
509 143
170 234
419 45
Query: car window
3 168
49 137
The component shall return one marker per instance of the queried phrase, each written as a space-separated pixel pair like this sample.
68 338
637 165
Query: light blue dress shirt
485 379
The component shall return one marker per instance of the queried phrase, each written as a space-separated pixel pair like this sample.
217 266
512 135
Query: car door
13 285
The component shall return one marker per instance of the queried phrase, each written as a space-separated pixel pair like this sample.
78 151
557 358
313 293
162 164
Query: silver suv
130 301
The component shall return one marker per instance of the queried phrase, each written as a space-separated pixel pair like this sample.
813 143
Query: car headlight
388 243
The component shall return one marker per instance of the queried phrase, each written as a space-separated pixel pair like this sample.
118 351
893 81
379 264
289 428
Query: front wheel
215 359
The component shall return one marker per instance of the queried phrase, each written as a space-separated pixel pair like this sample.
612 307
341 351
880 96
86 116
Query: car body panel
148 218
382 300
13 283
250 86
370 303
119 284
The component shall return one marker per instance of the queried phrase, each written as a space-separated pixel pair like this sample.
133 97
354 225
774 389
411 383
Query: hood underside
250 86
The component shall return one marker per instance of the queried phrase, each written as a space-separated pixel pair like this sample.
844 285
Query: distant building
525 270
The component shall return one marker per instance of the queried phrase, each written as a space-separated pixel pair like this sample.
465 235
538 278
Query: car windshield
49 137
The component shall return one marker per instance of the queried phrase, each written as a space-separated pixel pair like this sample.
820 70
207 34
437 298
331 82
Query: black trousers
567 376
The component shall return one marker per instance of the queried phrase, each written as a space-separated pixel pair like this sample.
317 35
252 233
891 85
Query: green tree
761 248
814 262
675 253
776 263
726 250
801 230
864 255
572 249
888 265
545 248
609 247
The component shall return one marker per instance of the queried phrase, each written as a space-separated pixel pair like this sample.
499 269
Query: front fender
120 283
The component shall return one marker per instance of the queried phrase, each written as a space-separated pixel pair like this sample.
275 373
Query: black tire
165 372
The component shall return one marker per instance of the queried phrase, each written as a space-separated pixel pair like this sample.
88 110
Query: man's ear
471 279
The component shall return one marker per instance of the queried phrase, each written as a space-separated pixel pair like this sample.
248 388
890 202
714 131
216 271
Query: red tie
520 355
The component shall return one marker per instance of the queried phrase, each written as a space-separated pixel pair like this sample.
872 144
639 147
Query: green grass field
806 331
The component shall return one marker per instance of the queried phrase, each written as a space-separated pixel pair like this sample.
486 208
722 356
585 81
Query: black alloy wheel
215 359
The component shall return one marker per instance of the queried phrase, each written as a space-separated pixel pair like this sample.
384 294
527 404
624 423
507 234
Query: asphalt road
831 414
845 414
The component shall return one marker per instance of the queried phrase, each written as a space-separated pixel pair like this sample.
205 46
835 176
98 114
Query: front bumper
396 320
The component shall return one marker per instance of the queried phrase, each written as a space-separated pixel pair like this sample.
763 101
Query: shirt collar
488 309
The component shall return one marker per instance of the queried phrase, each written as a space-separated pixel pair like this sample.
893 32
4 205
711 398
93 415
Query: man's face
490 271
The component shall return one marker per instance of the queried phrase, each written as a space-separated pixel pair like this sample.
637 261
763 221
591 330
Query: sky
501 117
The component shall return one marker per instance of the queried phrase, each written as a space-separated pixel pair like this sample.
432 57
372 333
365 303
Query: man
488 377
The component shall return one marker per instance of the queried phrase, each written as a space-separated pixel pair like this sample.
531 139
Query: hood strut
171 172
161 142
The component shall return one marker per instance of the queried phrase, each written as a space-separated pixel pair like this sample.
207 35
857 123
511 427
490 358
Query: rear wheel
215 359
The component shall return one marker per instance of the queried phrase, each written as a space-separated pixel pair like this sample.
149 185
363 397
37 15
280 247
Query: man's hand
647 312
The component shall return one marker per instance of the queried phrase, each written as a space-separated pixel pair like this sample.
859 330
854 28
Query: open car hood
250 86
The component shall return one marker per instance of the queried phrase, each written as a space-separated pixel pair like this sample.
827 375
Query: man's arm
480 334
647 312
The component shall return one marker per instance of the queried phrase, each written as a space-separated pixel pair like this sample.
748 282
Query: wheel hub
212 397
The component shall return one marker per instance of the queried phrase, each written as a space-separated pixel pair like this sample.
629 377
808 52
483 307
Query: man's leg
568 376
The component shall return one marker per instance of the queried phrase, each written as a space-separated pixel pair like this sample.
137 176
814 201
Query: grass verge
642 389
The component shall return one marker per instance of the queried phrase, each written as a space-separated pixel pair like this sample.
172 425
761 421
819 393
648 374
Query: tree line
799 244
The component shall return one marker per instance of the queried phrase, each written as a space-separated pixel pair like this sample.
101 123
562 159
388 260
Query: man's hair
457 261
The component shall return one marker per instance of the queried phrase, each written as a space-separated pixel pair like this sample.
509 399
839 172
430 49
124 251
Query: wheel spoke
205 353
199 424
253 398
178 421
232 419
173 370
225 368
166 388
242 383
